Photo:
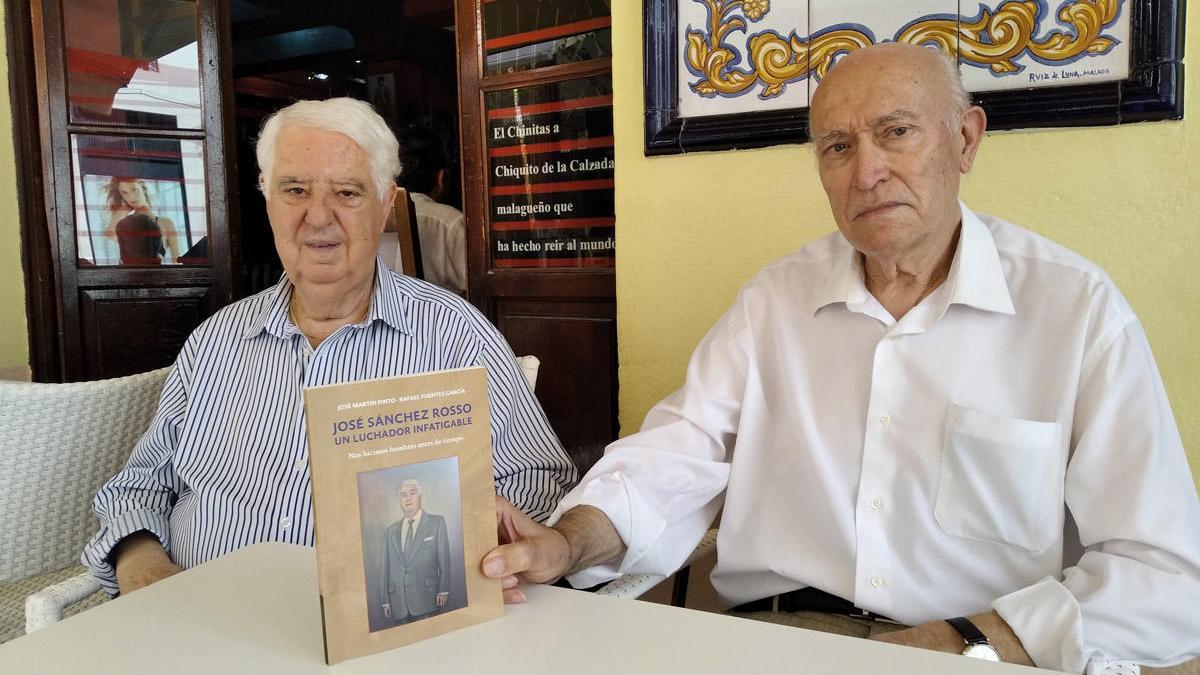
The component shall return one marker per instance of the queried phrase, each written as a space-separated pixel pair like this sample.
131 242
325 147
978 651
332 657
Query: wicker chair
58 444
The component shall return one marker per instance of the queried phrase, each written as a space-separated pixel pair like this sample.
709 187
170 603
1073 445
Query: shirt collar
976 276
844 283
273 318
388 304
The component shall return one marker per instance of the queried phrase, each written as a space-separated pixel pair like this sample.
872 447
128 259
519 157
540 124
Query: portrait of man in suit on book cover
415 563
416 560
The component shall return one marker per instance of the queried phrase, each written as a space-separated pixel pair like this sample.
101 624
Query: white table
256 611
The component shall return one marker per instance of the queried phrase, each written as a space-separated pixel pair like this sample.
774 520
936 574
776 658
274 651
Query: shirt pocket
1001 479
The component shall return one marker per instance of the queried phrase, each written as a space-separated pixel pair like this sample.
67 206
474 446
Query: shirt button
885 419
876 504
300 464
285 522
876 582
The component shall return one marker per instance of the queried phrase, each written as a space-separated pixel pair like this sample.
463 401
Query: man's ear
974 124
439 186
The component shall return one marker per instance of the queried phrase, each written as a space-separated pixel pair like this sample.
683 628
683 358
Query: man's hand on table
532 552
941 637
140 561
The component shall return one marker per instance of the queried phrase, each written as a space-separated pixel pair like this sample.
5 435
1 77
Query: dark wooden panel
41 284
220 148
551 283
577 382
565 317
127 331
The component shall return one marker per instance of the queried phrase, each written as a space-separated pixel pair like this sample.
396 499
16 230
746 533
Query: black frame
1153 91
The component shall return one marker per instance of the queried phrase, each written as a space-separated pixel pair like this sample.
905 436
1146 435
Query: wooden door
535 95
131 223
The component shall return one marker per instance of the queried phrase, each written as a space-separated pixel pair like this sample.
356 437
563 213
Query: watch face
985 652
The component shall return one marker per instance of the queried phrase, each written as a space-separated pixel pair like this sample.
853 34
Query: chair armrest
529 368
634 585
630 586
46 606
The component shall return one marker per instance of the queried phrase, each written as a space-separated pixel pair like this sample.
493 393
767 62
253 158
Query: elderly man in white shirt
916 414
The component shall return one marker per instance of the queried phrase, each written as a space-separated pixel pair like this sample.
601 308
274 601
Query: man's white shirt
443 233
413 524
930 467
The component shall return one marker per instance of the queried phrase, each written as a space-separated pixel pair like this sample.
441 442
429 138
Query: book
404 508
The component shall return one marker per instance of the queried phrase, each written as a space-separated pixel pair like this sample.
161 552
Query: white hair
354 118
956 92
410 481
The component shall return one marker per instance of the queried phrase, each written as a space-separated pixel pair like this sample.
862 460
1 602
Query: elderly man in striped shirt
224 463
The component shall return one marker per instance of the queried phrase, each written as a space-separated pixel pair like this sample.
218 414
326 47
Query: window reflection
140 70
527 34
139 201
581 47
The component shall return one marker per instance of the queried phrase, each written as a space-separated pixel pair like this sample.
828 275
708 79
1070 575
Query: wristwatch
978 646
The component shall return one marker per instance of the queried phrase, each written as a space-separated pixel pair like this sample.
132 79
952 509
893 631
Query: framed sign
723 74
550 160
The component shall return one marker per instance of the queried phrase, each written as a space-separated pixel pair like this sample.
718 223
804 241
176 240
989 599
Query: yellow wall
14 337
693 228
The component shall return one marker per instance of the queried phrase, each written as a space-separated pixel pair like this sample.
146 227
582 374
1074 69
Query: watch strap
969 631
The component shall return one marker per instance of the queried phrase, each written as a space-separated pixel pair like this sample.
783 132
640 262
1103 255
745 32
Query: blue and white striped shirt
224 463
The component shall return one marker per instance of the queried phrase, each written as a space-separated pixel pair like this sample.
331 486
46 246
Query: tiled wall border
1154 90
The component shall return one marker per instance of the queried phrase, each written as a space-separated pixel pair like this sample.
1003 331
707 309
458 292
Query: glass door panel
527 34
133 63
139 201
550 160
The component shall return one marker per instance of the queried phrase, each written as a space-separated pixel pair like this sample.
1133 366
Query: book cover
404 508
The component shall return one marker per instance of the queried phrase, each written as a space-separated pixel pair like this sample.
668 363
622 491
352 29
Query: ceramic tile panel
837 27
739 56
1018 44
